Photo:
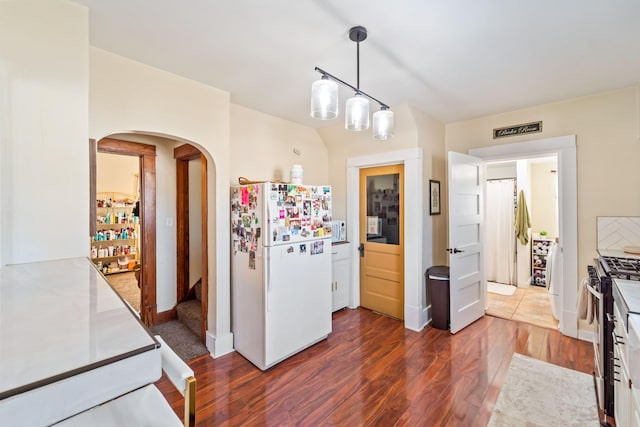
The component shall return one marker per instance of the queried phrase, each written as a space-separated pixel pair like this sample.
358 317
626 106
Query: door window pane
383 209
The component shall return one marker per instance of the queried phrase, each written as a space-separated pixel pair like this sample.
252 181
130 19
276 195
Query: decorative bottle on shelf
296 174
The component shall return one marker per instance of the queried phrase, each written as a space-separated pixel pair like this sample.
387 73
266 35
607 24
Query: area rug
500 288
537 393
185 343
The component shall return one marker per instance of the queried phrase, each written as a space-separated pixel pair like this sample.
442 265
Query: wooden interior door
381 240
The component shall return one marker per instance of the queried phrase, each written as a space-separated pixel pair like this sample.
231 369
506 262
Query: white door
466 260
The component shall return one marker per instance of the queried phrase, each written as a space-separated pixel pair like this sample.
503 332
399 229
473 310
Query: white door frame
415 312
565 148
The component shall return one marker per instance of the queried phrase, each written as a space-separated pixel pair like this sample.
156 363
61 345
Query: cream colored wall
543 199
431 138
262 148
117 173
130 97
608 148
342 144
43 131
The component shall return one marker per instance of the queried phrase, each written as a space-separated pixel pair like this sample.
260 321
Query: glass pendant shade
357 113
383 124
324 99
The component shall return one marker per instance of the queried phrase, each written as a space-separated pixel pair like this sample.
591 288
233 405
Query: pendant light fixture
324 99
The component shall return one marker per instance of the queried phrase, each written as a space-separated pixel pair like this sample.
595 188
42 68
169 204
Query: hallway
530 305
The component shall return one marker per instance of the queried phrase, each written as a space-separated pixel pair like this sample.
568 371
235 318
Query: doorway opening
415 312
564 147
192 251
145 206
116 243
519 266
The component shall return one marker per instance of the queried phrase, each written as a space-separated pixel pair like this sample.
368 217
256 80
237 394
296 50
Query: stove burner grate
622 268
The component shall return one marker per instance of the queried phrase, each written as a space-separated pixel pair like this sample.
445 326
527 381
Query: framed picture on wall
434 197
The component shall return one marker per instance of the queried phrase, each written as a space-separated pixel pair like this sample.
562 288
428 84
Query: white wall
44 138
501 170
262 148
130 97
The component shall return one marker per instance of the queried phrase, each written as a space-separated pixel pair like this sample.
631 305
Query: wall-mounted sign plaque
532 127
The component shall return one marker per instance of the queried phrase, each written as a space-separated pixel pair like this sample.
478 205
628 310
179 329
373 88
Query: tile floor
530 305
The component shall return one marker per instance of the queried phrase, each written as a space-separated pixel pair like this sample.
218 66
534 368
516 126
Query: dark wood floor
372 371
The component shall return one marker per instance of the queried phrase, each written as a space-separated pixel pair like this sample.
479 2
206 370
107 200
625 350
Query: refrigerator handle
268 276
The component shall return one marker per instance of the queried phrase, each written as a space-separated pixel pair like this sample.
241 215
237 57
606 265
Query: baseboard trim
165 316
219 346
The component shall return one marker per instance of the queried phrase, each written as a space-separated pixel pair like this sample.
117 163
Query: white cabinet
622 385
634 367
341 272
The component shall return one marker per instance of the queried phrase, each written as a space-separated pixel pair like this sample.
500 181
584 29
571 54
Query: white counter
67 342
630 292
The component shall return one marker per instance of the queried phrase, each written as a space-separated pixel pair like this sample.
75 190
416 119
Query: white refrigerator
280 269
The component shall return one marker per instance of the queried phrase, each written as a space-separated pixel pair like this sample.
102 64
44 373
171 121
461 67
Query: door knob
454 250
361 249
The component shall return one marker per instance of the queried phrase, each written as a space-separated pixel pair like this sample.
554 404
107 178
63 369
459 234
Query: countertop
630 292
617 253
59 319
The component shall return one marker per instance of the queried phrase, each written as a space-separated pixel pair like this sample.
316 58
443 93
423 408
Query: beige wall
117 173
544 199
431 136
608 148
262 148
44 82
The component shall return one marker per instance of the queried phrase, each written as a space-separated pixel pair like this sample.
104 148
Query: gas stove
618 264
621 267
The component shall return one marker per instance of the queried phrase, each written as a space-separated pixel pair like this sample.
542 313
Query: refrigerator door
248 273
297 213
298 298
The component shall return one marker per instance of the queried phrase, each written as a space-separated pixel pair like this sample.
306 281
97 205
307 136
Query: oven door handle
594 291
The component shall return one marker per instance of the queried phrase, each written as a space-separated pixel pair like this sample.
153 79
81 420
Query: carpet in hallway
185 343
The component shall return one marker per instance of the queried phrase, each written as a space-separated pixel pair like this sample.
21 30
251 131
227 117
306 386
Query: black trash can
437 278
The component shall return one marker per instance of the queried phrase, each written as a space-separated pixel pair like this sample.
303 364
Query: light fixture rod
357 90
358 65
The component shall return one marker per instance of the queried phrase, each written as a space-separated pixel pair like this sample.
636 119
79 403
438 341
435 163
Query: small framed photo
434 197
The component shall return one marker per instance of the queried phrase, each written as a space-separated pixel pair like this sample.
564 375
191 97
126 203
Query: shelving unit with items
115 246
539 253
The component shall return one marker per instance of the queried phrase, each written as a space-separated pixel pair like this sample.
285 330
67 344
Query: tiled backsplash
616 232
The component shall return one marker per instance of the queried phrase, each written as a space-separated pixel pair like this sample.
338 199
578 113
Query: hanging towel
585 303
522 222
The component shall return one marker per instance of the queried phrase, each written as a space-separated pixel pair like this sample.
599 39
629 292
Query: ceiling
454 60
